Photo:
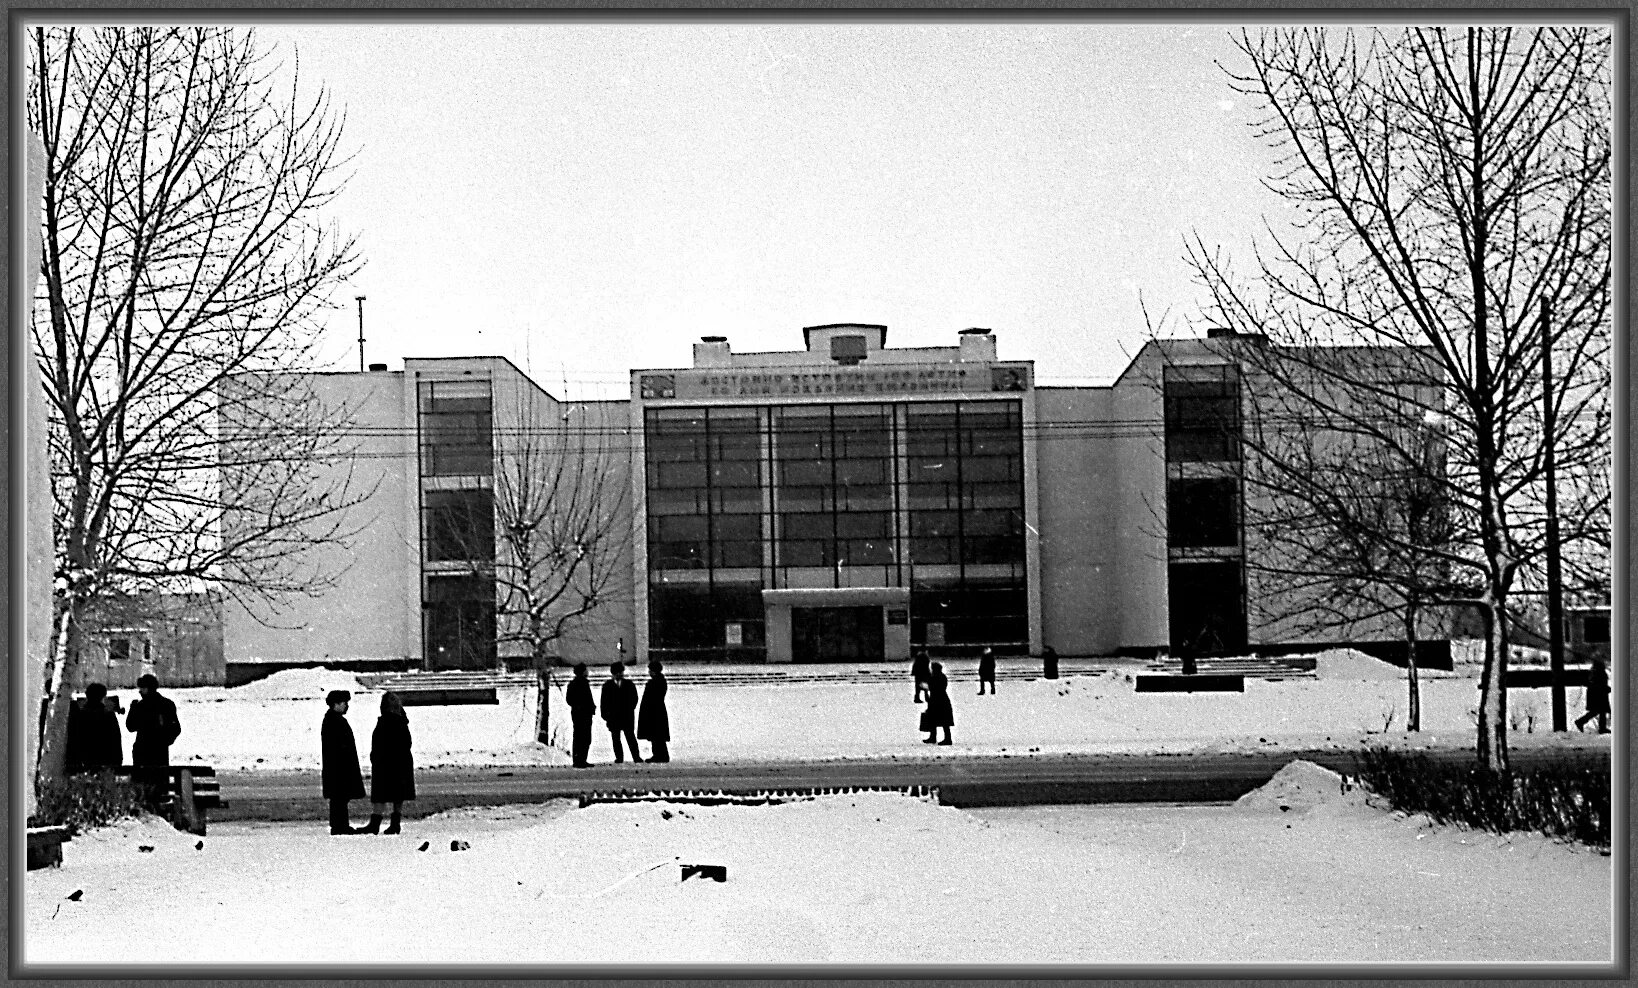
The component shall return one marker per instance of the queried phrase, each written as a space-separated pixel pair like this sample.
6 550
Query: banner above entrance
800 382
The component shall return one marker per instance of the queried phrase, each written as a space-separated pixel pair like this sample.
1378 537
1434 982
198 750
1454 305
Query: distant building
847 501
177 637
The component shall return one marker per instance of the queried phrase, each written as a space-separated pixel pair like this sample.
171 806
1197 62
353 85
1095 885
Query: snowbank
1351 664
1299 787
297 684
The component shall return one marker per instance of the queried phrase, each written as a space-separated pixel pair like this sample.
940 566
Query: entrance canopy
838 624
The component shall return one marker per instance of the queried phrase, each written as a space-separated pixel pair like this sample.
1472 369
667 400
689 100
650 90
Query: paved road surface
961 780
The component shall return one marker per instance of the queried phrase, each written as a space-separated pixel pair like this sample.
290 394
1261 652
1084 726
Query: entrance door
836 634
1208 615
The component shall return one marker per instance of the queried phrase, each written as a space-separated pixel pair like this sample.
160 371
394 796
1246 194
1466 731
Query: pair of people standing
392 767
94 740
621 712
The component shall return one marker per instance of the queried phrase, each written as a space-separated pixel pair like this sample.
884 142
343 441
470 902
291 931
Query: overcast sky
588 198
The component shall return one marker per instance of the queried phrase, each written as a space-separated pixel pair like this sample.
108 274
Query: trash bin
1049 660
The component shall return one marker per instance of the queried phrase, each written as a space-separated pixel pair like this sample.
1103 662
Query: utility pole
360 332
1555 578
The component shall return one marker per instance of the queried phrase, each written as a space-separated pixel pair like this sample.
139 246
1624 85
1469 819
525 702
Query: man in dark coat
986 671
153 719
653 724
619 702
581 709
94 742
1597 698
343 779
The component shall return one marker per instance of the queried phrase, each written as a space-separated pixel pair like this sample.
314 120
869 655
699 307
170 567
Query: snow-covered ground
1297 872
274 723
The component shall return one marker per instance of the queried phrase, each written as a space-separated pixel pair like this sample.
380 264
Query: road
964 781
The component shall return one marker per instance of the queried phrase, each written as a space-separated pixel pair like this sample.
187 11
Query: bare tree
554 531
183 262
1451 183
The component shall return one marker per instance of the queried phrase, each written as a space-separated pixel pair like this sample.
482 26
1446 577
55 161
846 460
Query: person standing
94 741
619 702
986 671
653 724
1049 662
939 712
918 672
1597 697
392 767
581 708
343 780
154 722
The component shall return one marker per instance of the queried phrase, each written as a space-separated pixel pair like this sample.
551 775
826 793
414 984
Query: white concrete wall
34 596
372 612
1076 470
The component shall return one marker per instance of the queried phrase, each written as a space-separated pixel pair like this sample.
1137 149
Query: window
1203 418
1595 629
119 649
1202 512
459 525
457 429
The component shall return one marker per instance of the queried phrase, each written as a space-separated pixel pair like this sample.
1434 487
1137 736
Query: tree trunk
1492 741
59 694
1413 717
543 680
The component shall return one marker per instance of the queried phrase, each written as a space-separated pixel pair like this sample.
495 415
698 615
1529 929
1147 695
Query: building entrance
836 634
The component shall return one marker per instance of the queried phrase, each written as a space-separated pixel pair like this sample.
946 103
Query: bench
45 846
194 792
1199 682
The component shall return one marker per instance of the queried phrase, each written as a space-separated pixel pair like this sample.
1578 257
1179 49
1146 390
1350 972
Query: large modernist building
848 501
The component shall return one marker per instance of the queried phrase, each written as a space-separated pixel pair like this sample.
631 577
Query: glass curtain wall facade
1204 518
923 495
456 427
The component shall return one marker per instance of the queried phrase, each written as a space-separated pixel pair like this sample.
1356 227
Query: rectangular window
1202 512
457 429
119 650
1203 416
459 525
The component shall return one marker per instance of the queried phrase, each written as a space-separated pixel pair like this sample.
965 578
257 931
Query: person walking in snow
1597 697
918 672
653 724
619 703
153 719
392 767
939 712
343 780
986 671
581 708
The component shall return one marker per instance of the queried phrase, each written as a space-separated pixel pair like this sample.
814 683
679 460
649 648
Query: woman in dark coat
939 712
343 780
653 725
392 767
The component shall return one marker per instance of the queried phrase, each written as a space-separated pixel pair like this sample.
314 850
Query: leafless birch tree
1453 182
184 259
